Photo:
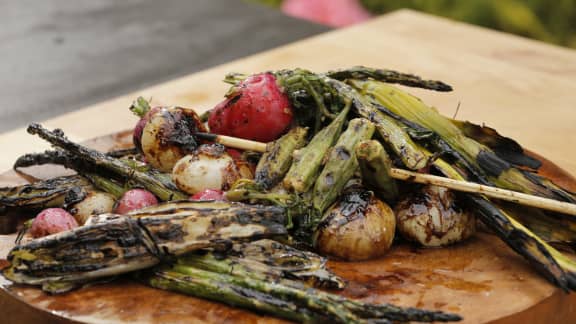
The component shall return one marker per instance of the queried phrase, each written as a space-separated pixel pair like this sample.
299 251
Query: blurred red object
335 13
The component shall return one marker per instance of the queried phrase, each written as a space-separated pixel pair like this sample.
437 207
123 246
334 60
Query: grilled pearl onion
209 167
357 227
94 203
432 218
168 135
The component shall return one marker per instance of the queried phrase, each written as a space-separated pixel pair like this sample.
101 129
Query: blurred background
545 20
61 55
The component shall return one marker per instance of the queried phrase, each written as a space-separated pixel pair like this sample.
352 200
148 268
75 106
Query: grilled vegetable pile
323 185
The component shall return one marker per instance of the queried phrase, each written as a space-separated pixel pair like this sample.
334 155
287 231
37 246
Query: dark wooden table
57 56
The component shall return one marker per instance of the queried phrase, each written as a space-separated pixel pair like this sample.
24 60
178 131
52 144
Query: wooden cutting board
481 271
523 88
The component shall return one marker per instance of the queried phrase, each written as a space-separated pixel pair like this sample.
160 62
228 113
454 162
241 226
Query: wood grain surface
522 88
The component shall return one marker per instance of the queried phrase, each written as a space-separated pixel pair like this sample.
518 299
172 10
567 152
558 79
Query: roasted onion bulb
208 167
357 227
168 135
432 218
94 203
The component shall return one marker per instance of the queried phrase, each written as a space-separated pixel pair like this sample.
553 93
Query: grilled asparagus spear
388 76
308 160
61 157
209 285
98 159
316 303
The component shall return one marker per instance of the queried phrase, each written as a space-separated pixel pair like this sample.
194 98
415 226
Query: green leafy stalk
540 255
140 107
115 244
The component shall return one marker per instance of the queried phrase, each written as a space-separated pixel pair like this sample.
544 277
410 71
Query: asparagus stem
99 159
103 182
106 185
277 159
389 76
204 284
47 157
341 165
326 304
307 161
375 165
391 132
309 298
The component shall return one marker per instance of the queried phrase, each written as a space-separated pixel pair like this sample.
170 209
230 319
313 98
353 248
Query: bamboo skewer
423 178
492 192
234 142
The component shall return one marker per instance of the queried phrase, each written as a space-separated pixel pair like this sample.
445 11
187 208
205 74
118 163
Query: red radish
234 153
257 110
52 221
209 194
137 136
135 199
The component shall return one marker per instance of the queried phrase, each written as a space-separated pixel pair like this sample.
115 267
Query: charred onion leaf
505 147
42 194
116 244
